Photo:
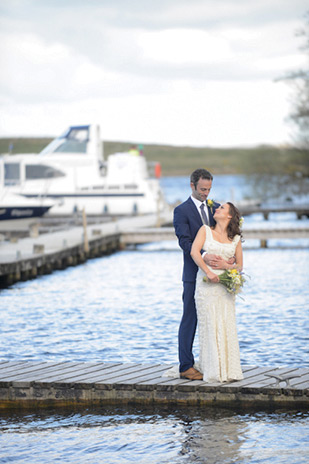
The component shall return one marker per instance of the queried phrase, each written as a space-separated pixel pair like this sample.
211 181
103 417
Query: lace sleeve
236 239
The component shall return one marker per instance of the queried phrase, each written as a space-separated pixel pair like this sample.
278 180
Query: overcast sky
181 72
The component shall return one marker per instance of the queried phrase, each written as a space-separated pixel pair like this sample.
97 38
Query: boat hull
20 217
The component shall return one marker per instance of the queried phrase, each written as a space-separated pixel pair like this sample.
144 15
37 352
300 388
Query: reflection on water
154 435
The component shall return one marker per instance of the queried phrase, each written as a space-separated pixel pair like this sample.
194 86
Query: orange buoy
158 170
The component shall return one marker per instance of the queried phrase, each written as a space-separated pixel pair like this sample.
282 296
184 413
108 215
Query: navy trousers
187 327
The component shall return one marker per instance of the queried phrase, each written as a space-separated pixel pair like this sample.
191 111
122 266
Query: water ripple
127 307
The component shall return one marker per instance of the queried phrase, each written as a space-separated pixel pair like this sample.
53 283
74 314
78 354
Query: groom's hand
211 259
217 262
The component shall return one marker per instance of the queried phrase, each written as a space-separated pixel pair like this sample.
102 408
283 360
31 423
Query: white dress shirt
198 205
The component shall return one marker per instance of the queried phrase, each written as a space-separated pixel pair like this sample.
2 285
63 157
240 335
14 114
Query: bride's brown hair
233 227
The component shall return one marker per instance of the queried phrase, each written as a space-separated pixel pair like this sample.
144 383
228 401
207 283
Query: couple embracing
210 237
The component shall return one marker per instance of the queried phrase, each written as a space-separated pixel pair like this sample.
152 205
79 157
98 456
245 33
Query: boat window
72 146
11 173
40 171
73 141
65 146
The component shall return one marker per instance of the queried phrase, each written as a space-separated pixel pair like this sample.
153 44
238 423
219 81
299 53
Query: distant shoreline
177 160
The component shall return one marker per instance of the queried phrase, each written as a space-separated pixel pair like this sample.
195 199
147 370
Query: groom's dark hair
200 174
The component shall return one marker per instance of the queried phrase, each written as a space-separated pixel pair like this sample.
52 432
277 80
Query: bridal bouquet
232 279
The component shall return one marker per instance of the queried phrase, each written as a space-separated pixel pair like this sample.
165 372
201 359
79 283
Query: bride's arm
238 258
197 245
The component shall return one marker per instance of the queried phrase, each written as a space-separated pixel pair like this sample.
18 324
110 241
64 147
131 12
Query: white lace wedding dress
219 358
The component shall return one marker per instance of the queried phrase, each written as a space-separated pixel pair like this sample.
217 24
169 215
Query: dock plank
268 381
61 375
20 371
127 376
262 376
126 371
302 386
84 371
31 371
301 381
262 381
89 374
107 372
10 367
154 373
53 372
132 375
252 377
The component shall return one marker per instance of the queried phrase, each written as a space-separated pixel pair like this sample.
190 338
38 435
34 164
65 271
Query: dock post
86 243
34 230
158 212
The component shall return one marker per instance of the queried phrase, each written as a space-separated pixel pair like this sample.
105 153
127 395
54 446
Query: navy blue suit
187 222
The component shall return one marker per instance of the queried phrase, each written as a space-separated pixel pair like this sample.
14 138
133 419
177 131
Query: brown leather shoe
191 374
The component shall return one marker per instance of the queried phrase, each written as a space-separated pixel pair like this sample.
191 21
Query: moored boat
72 170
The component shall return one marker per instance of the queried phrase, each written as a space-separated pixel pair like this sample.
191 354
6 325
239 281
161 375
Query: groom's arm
182 230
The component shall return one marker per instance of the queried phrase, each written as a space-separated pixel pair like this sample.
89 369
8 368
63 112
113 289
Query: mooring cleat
283 378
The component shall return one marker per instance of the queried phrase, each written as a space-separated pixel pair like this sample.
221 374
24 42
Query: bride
219 358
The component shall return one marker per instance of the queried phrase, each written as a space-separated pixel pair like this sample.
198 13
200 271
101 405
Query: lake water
126 307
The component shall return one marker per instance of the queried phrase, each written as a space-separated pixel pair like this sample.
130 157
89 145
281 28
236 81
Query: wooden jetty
146 235
37 255
33 256
288 207
29 384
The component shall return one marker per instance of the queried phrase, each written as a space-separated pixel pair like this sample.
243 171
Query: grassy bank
183 160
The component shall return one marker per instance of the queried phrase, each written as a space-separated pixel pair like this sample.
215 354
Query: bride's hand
213 278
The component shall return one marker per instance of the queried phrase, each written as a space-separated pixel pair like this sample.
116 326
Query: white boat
72 169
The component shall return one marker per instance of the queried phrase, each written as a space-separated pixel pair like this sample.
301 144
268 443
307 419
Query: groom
188 218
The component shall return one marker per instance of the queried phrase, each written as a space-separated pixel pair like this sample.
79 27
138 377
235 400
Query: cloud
183 46
150 60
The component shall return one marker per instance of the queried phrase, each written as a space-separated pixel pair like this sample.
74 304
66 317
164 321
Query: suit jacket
187 222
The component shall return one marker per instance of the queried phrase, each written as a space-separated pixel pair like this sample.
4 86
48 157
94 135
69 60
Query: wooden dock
146 235
33 256
30 257
28 384
301 210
